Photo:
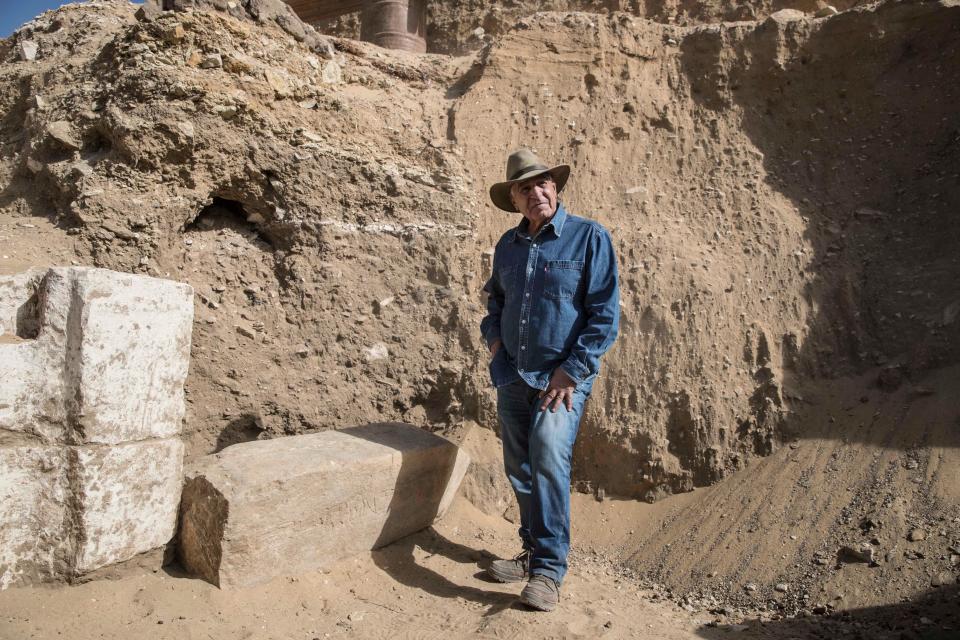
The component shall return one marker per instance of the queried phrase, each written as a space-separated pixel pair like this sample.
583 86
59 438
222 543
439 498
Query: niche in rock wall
228 215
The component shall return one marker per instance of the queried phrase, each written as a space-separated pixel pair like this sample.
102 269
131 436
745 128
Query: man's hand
560 390
495 347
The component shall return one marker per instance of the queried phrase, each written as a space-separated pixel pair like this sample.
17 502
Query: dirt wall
460 27
780 206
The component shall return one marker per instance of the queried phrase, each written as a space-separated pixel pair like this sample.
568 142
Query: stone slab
287 506
109 359
65 511
34 510
33 318
92 366
131 355
127 497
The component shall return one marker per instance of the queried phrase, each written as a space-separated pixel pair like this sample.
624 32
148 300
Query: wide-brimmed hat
523 165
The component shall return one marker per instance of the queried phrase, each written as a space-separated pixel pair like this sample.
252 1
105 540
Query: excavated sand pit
783 196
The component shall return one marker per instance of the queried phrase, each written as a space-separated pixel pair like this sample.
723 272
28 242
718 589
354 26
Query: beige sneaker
541 593
514 570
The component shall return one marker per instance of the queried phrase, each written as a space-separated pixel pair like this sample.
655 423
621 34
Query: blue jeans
537 452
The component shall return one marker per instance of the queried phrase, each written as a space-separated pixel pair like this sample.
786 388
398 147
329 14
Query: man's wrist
573 375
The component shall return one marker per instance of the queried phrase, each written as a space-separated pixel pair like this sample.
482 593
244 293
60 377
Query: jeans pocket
561 278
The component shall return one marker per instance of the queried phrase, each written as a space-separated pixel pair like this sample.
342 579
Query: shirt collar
555 224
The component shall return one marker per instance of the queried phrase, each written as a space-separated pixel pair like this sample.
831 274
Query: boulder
288 506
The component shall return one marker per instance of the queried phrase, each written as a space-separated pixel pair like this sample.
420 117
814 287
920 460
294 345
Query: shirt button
523 322
527 295
523 348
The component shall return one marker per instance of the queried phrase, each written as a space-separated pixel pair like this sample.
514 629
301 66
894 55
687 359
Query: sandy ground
428 585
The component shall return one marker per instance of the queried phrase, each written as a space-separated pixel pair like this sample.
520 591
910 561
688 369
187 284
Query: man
552 312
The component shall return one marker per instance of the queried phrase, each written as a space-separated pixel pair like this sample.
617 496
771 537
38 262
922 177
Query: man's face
535 198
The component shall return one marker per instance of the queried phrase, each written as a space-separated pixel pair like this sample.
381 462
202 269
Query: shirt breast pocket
561 278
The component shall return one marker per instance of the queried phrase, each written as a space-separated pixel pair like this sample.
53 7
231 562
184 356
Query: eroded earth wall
780 193
461 27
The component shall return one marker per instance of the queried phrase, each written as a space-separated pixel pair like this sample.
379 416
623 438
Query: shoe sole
538 604
504 578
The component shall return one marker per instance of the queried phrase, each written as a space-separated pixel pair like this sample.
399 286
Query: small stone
378 351
910 463
303 351
277 82
28 50
750 587
61 131
174 34
380 305
225 111
785 16
211 61
332 73
942 579
849 555
148 11
916 535
601 494
245 331
782 587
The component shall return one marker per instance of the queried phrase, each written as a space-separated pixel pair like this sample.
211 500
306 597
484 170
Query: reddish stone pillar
395 24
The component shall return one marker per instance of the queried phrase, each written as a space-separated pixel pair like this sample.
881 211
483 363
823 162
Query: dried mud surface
782 193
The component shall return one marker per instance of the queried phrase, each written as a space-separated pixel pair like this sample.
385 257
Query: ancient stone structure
91 404
291 505
393 24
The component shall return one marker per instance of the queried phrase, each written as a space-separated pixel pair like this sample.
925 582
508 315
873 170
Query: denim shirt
553 300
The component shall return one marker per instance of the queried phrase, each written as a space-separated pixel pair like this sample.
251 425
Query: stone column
395 24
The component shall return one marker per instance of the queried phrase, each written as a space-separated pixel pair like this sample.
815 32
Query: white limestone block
108 362
92 366
130 356
128 496
33 514
287 506
33 356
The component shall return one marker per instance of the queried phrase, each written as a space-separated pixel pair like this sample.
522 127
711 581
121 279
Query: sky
14 13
